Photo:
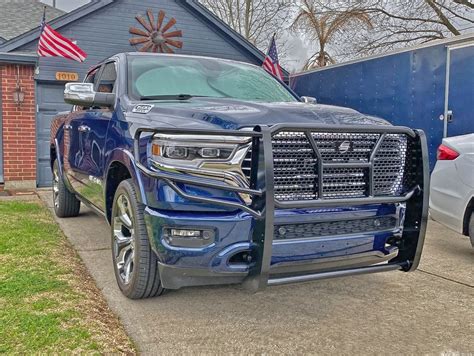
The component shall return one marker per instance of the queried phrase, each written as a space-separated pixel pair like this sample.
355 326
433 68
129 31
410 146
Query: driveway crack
446 278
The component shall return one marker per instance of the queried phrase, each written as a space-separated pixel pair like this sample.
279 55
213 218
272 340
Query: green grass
46 302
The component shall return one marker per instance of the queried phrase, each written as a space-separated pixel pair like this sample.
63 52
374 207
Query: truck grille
332 228
345 160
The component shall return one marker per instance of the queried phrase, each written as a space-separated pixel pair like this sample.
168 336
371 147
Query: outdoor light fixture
18 94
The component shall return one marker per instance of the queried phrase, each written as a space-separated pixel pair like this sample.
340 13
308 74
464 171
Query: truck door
89 130
459 117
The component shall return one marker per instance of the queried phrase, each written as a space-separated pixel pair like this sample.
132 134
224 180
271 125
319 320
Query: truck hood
235 114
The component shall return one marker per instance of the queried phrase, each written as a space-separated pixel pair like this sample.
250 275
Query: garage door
50 101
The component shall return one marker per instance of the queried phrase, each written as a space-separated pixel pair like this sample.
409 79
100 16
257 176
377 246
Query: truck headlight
212 156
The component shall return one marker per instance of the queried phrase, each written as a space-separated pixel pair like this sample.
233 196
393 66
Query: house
31 88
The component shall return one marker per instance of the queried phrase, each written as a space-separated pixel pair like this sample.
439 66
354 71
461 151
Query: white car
452 185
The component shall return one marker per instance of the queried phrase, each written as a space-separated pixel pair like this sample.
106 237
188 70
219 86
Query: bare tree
323 25
256 20
400 23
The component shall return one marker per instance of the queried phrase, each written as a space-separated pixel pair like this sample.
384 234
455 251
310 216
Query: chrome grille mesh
296 165
360 146
389 165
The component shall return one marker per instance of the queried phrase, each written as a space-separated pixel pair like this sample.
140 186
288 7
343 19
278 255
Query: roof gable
195 7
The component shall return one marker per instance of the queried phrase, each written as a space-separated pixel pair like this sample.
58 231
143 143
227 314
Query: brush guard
263 203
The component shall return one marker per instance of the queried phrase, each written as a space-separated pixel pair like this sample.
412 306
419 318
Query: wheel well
52 155
467 217
116 174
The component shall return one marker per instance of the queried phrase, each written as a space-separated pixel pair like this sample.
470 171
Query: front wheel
135 263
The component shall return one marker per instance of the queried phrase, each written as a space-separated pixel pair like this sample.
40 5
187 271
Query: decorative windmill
155 37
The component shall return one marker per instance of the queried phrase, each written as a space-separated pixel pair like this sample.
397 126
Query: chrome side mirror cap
309 100
83 94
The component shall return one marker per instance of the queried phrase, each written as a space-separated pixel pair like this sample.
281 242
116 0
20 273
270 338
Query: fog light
185 233
192 238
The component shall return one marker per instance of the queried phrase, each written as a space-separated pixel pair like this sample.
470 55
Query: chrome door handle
83 128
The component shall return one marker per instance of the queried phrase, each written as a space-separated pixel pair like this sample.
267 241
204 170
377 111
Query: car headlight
199 154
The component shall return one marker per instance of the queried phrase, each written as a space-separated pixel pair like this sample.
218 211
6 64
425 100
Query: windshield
164 77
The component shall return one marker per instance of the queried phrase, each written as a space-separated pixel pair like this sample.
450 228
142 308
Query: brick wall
19 128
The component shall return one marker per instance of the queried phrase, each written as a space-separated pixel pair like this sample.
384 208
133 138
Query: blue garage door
49 99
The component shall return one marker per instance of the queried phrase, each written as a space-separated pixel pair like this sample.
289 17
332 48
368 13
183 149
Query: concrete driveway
430 311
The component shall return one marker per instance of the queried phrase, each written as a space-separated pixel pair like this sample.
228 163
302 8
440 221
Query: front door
460 118
88 136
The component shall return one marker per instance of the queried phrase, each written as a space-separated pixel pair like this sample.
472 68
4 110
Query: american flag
52 44
271 64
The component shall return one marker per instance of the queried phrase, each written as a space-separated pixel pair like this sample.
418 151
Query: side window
107 79
91 77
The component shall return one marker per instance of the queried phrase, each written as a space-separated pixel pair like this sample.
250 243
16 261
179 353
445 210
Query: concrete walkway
429 311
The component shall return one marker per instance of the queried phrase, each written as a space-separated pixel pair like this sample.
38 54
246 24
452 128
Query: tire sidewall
140 234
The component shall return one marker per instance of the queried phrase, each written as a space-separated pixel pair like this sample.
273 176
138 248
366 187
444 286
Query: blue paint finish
406 88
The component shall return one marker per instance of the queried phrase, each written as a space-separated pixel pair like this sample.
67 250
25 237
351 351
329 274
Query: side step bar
334 274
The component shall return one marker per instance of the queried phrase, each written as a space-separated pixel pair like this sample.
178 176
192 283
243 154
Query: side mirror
83 94
309 100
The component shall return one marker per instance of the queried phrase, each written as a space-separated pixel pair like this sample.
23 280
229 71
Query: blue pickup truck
212 171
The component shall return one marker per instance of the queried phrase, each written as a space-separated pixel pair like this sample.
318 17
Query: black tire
135 263
65 203
471 228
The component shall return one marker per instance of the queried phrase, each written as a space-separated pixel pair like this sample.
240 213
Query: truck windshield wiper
172 97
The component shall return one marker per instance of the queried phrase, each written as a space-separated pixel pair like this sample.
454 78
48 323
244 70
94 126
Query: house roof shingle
20 16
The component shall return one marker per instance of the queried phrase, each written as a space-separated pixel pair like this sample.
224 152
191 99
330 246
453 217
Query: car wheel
66 204
135 263
471 229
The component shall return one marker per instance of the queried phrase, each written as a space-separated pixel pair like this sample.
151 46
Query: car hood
235 114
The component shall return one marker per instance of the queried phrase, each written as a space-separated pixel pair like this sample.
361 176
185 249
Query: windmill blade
137 40
136 31
166 48
161 17
170 24
177 44
146 47
173 34
144 23
151 18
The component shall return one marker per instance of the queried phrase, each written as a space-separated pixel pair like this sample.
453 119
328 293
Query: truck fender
125 158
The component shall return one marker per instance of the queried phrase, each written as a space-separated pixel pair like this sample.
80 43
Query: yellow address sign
67 76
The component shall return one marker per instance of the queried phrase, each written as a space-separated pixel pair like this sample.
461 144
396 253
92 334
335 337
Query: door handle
83 128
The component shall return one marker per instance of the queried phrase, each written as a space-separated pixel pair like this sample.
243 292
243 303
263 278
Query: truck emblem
142 108
344 147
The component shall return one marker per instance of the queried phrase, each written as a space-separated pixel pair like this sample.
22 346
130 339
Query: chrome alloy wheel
56 186
124 238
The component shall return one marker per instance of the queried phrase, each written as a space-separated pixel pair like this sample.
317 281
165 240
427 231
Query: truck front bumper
324 255
251 229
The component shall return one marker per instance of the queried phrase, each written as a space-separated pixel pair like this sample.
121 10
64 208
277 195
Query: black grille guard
263 204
